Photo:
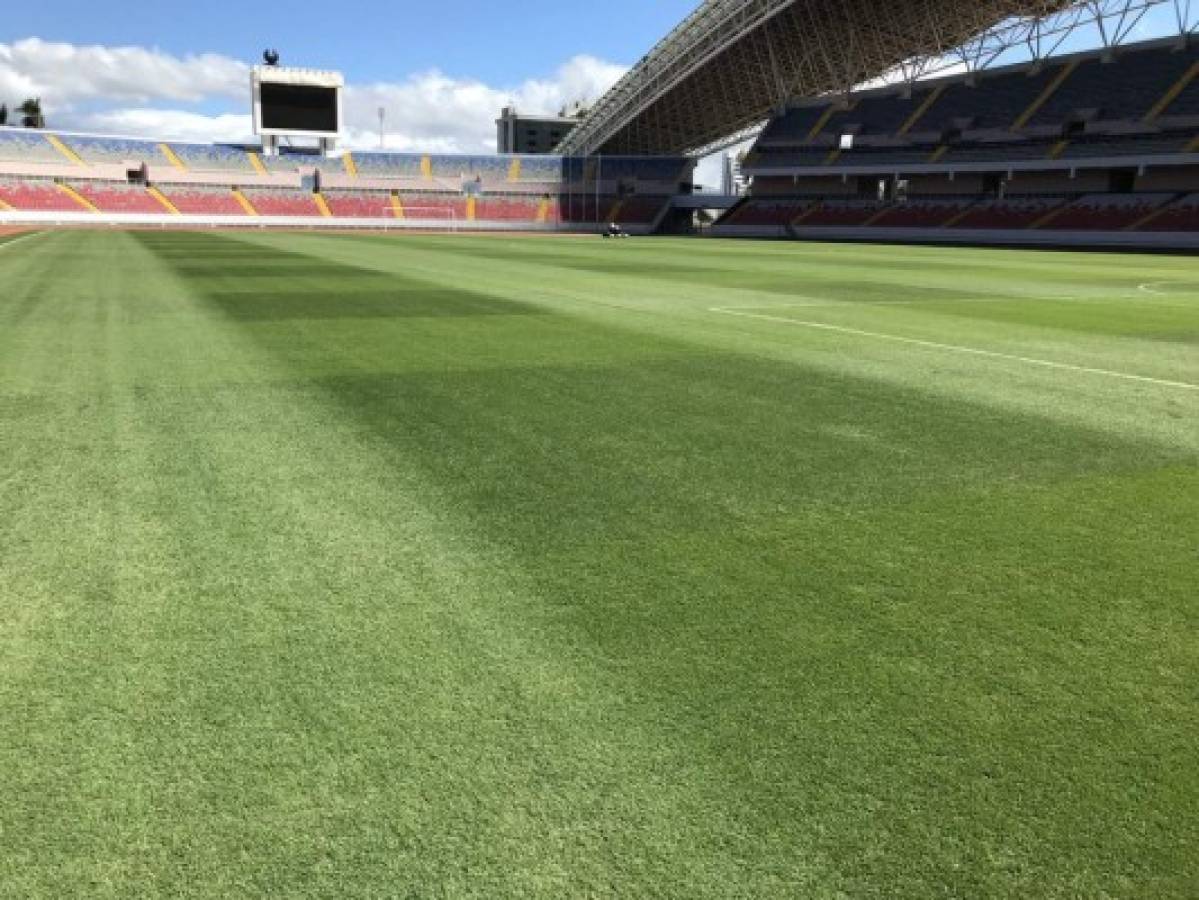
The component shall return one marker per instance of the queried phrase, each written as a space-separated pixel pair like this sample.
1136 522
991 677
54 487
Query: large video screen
289 107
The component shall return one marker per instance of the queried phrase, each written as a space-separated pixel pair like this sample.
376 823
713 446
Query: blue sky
370 40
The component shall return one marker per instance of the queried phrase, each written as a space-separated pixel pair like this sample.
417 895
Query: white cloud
135 91
171 124
67 74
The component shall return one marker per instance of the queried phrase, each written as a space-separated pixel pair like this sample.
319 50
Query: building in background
530 134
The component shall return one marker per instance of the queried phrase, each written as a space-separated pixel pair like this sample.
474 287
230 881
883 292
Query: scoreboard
296 102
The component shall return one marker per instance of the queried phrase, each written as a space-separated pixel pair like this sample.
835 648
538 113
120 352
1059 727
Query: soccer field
484 566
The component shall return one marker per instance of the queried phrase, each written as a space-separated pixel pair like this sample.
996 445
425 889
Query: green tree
31 113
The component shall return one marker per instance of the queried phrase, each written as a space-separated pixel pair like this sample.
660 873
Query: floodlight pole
382 115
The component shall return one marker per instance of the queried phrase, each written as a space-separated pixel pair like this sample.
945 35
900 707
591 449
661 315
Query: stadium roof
730 64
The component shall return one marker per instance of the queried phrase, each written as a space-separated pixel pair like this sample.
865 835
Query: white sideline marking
6 244
821 303
956 348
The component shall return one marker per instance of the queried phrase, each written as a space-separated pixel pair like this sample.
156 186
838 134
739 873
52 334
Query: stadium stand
1013 212
359 204
1181 215
36 195
512 208
97 150
1117 87
19 145
924 212
388 165
281 202
213 157
116 197
1098 142
429 205
202 200
1107 212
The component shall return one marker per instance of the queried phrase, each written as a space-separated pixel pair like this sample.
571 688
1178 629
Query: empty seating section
113 150
281 202
793 126
487 169
36 195
923 212
387 165
514 208
18 145
117 197
769 213
213 157
359 204
433 206
1186 103
999 151
1101 145
202 199
1014 212
1107 212
290 162
1181 215
545 169
792 156
841 212
1124 88
876 115
995 101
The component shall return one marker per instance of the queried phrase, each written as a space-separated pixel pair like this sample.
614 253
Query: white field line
821 303
956 348
4 245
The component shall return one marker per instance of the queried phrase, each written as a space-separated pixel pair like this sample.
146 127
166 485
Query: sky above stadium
441 70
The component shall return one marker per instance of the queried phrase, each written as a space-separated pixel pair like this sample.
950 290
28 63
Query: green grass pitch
482 566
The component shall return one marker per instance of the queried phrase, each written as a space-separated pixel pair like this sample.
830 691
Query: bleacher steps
833 156
4 207
1043 98
1192 147
1150 216
256 162
1050 216
514 169
543 210
472 204
426 168
322 205
831 110
77 197
1172 93
397 208
958 216
936 155
172 157
614 212
351 167
162 199
878 215
62 148
811 210
919 112
244 202
1056 151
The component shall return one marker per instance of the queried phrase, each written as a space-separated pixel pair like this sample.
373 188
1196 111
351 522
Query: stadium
371 527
